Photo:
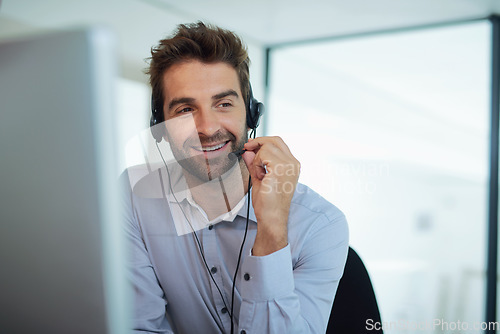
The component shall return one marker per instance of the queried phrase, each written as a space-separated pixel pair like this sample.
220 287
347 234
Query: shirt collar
182 195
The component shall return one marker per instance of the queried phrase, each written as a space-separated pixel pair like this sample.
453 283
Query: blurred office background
385 103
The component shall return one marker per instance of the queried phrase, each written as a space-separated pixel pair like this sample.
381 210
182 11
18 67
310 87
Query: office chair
355 300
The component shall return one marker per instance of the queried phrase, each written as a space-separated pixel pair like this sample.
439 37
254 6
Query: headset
254 110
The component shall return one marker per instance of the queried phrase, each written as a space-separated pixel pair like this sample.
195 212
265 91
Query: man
296 243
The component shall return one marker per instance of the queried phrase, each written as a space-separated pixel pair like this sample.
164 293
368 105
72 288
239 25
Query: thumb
257 172
248 158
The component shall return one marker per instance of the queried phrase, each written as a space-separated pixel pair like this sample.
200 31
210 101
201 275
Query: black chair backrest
355 308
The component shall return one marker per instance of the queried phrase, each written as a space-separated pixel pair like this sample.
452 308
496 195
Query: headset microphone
234 155
239 153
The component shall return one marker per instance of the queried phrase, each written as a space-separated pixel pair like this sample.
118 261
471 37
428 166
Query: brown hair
197 41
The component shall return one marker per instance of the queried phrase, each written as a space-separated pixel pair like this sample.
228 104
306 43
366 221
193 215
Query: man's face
205 116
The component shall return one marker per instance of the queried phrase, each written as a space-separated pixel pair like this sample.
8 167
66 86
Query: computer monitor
61 259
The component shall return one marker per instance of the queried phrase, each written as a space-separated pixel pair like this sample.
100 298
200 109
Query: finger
255 167
260 165
248 158
253 145
268 156
260 172
275 142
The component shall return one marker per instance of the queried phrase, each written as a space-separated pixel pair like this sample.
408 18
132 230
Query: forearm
272 235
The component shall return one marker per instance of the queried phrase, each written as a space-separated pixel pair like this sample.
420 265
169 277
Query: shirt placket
214 263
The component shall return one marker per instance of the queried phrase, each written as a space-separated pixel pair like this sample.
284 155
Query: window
394 129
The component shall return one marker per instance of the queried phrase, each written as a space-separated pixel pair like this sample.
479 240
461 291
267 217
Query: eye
184 110
225 104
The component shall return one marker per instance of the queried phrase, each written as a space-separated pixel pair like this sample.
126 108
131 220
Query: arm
148 298
280 297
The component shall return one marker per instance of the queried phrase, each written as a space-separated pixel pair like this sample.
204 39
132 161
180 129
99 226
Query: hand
275 173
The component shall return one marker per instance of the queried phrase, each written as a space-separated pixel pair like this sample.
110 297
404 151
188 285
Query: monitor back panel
58 197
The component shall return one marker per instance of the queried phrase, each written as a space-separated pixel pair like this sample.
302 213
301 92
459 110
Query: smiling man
269 262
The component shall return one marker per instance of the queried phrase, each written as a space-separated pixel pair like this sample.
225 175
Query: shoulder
312 216
143 200
141 188
144 181
309 202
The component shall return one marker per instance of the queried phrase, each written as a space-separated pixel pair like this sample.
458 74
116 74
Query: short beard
206 170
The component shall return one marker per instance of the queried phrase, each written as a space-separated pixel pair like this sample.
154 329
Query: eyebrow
181 100
229 92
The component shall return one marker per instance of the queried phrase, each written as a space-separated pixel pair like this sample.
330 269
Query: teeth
213 148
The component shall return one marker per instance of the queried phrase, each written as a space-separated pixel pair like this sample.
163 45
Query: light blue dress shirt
288 291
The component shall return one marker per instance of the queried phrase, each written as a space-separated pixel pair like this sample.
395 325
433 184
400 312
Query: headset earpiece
157 130
255 109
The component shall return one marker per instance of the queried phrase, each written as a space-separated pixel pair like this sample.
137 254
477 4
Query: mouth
212 147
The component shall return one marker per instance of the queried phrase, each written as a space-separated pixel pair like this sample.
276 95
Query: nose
207 122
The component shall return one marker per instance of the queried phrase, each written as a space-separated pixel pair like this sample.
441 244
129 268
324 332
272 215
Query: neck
221 194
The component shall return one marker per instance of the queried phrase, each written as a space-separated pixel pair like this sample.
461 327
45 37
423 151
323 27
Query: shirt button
243 331
210 227
246 277
213 270
224 310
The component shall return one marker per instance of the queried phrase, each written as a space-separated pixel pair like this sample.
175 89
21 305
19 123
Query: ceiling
139 24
